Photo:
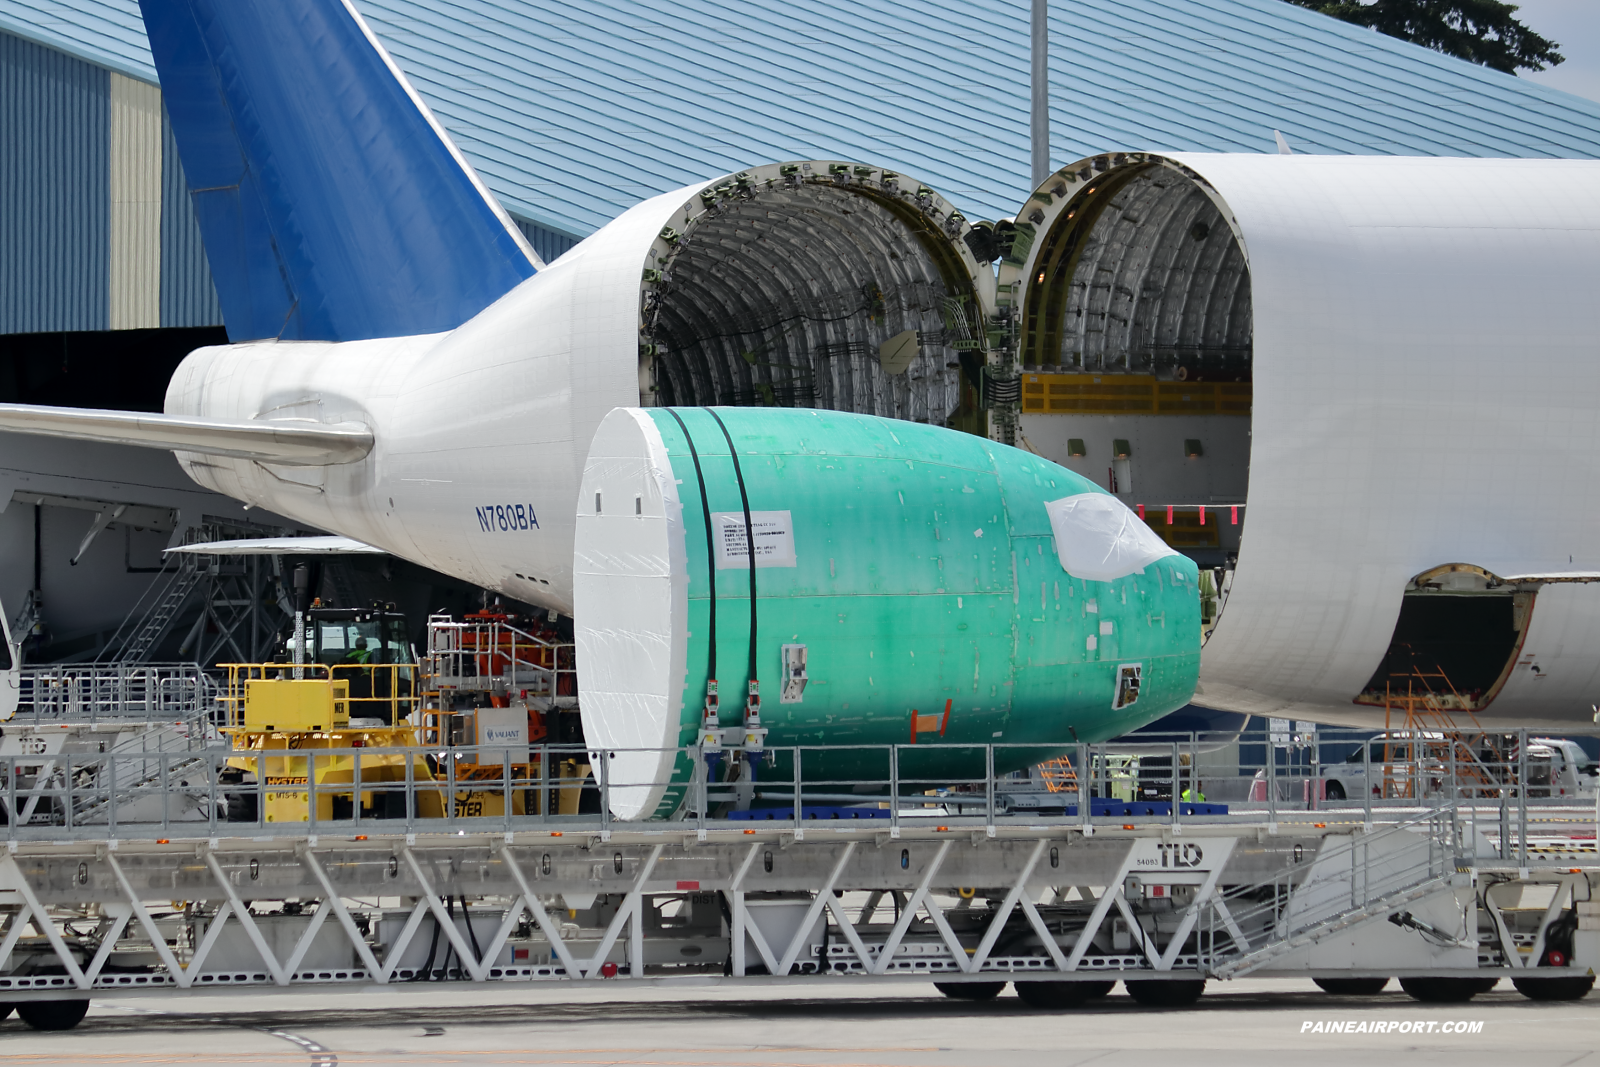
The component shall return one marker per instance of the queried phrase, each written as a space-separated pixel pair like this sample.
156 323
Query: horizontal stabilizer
282 546
288 443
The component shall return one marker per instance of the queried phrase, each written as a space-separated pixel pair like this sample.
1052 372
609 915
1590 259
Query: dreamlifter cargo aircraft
1386 362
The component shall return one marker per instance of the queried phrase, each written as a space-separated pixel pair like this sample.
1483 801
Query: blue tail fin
332 205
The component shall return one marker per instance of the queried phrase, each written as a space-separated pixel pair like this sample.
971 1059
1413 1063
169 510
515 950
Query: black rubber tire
1096 990
1334 791
1352 987
1051 996
392 805
970 990
1176 993
53 1014
1446 990
5 1012
1568 987
242 807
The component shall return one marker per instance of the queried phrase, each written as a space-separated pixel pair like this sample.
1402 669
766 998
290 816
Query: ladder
1058 775
154 625
1433 734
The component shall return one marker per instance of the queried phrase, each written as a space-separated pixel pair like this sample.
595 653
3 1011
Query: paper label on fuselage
773 533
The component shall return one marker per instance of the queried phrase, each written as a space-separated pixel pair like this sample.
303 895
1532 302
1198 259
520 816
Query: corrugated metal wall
57 214
55 198
188 295
547 243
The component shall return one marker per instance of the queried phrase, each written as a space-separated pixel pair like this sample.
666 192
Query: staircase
191 768
1428 707
153 626
1378 909
1370 879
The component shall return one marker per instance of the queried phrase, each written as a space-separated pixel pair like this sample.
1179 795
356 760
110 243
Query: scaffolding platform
106 892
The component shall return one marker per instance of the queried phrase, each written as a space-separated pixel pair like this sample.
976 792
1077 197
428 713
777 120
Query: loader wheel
1352 987
1447 990
1157 994
391 805
970 990
1052 996
242 807
53 1014
1575 987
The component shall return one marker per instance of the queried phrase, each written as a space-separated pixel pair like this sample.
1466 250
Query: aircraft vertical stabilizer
333 205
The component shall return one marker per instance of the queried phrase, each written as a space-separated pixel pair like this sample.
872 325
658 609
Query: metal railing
116 692
493 655
382 692
206 788
1360 878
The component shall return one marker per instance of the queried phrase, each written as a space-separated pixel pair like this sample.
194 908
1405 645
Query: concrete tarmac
1245 1022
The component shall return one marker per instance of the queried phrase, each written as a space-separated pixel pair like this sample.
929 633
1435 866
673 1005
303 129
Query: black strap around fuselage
711 560
749 538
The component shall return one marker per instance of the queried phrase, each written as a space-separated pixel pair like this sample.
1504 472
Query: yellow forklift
345 708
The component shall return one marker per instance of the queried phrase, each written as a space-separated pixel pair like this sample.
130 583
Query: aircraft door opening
1456 640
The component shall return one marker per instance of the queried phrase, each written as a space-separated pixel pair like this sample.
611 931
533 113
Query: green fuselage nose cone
914 586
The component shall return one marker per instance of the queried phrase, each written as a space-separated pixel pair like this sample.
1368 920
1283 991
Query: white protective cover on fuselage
631 584
480 433
1426 364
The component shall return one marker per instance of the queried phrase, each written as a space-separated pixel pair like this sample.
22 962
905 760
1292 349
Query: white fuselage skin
480 433
1424 354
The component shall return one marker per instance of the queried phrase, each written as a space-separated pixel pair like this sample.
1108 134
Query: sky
1575 25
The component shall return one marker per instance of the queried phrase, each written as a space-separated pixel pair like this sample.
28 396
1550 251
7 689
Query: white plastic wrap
630 584
1099 540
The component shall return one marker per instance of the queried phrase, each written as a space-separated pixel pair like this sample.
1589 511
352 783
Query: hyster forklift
349 704
346 680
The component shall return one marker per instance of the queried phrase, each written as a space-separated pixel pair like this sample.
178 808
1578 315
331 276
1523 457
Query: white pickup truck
1572 772
1392 751
1556 768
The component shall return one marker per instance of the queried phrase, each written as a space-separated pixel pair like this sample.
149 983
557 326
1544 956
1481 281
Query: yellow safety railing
385 692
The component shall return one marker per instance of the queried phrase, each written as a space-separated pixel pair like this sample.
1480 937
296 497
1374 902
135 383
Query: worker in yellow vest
1194 793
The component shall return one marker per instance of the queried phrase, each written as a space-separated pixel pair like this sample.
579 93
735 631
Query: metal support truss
1048 903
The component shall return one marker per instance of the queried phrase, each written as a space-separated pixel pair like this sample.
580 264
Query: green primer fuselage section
926 573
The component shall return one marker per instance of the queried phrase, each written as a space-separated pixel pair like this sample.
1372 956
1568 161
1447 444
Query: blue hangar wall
97 229
70 158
